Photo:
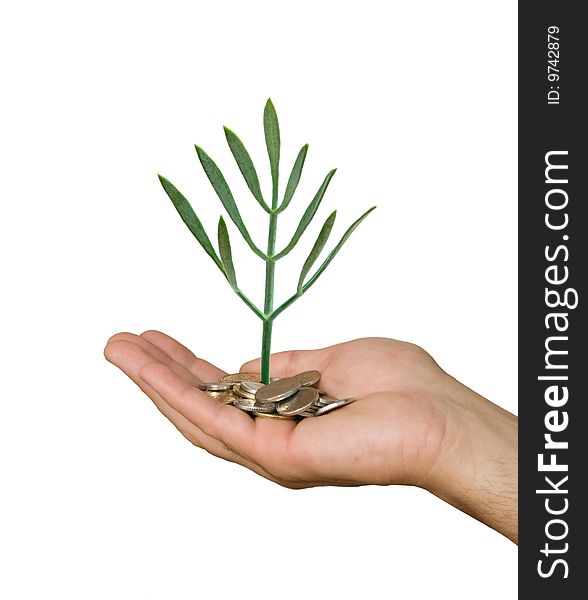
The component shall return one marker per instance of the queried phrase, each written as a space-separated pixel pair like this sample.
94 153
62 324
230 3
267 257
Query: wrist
476 470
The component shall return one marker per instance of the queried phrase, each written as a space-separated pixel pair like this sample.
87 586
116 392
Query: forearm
478 469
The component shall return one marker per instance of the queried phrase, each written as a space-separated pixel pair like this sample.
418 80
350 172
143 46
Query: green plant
225 261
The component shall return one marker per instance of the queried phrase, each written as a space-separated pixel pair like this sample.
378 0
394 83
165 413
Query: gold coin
238 377
272 416
217 386
223 397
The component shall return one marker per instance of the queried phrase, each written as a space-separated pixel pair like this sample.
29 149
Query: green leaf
294 178
321 240
190 219
246 166
307 216
224 246
336 249
226 197
272 141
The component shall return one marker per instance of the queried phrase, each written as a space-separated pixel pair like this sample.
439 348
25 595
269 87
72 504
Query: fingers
157 354
224 431
130 357
266 444
223 422
200 368
168 372
285 364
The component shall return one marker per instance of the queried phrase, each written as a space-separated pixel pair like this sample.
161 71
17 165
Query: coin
333 406
238 398
300 402
311 410
251 386
278 390
292 397
242 393
217 386
325 399
309 377
238 377
255 407
273 416
223 397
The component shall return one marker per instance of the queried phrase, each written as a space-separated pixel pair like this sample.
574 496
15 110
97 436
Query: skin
413 424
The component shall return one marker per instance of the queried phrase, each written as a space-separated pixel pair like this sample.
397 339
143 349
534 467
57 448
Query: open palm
392 434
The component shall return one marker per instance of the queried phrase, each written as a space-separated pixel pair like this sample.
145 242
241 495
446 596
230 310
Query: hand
412 424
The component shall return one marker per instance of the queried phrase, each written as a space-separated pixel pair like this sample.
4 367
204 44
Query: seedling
224 258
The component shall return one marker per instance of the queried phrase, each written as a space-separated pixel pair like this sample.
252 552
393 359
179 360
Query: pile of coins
285 398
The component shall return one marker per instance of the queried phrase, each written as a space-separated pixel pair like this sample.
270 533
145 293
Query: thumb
292 362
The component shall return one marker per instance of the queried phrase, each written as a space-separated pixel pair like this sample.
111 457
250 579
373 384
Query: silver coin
251 386
278 390
333 406
255 407
244 403
305 414
320 403
298 403
217 386
264 409
242 393
314 388
309 377
326 399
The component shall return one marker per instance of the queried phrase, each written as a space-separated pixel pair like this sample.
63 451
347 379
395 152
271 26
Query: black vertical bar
559 126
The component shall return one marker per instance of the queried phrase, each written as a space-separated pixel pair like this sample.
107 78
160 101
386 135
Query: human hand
412 424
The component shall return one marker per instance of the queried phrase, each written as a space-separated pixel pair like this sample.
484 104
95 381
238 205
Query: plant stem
268 305
266 337
266 342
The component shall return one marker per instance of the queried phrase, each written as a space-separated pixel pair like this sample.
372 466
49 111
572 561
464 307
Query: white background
415 104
